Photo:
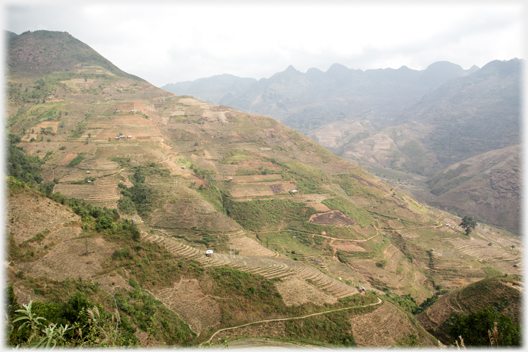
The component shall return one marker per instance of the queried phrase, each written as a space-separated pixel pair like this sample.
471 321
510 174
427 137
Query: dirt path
291 318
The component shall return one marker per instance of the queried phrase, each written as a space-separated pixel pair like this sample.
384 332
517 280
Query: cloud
165 42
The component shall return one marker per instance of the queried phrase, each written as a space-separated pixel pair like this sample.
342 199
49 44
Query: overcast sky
173 42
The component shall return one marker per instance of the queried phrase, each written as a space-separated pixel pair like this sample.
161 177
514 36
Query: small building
230 179
514 265
447 225
293 191
117 111
89 181
490 244
87 172
362 289
208 253
129 136
117 138
134 220
183 167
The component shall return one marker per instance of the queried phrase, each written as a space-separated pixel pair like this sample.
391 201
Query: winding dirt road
291 318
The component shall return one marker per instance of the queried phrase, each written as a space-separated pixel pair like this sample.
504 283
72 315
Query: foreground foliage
474 328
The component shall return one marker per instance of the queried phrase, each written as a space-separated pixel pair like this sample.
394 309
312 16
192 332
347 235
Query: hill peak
43 52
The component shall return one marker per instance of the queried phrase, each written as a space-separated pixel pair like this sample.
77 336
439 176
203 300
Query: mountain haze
306 101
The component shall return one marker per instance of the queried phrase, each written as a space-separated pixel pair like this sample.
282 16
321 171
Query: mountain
43 52
138 183
413 122
306 101
460 122
469 115
488 185
211 89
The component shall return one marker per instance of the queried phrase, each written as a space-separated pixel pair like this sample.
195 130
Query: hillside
138 183
44 52
403 124
502 293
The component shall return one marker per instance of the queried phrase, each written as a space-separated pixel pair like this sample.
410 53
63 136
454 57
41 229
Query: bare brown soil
249 247
192 214
113 282
257 165
187 299
319 207
53 124
29 215
260 189
68 260
68 158
25 295
255 178
295 291
347 247
272 329
102 189
332 218
384 327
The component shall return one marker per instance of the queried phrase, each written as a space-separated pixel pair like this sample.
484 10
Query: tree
468 223
474 328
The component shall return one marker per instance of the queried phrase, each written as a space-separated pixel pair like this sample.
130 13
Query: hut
293 191
362 289
208 253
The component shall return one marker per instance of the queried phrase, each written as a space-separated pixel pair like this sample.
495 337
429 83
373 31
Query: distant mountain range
306 101
417 122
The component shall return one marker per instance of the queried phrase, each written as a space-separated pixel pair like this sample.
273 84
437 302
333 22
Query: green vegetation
84 181
24 167
360 216
307 178
331 329
202 173
152 316
77 322
78 130
355 184
265 171
474 328
469 224
140 197
259 214
233 156
77 160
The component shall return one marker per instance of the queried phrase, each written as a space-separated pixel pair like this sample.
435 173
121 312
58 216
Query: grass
361 216
259 215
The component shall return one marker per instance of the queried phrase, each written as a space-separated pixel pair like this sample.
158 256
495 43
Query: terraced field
268 267
101 190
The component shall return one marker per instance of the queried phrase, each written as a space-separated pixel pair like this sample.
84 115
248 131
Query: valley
137 183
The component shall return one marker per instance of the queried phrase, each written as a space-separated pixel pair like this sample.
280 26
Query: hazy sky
179 41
